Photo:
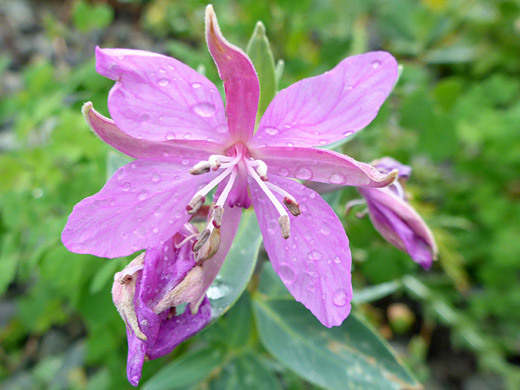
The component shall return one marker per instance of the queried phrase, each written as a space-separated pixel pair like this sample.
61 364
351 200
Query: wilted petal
240 80
171 150
314 262
398 222
320 165
142 205
326 108
158 98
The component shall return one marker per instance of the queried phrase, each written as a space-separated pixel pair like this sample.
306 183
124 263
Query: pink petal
228 230
314 262
321 165
158 98
324 109
141 206
172 150
240 80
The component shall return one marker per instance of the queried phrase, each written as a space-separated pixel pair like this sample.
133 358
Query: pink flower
172 120
396 220
146 294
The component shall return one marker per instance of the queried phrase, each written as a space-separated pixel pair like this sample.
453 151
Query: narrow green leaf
373 293
187 370
8 261
278 72
238 266
259 50
246 372
350 356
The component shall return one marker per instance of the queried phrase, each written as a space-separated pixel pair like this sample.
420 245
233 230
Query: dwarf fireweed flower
172 120
147 293
395 219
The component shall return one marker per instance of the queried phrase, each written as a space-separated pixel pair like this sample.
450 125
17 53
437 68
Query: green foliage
453 116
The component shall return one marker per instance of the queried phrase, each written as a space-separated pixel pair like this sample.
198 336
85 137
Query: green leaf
246 372
373 293
87 17
8 261
187 370
350 356
259 50
238 267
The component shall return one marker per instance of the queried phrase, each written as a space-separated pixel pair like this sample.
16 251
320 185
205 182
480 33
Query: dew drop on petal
161 70
283 172
348 133
156 177
376 64
185 161
303 173
133 165
325 230
271 130
323 142
340 298
314 255
204 109
337 178
287 273
312 195
155 230
143 195
196 85
120 174
272 225
290 144
221 129
126 186
163 82
337 260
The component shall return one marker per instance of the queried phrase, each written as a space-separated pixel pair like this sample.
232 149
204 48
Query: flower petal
321 165
158 98
324 109
314 262
171 150
141 206
399 223
240 80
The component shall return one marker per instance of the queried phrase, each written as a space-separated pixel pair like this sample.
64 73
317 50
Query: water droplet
325 230
196 85
314 255
161 70
221 129
312 195
271 130
187 136
337 178
141 231
127 186
348 88
163 82
287 273
348 133
290 144
143 195
303 173
120 174
340 298
155 230
178 214
170 221
314 161
283 172
204 109
185 162
337 260
376 64
156 177
329 261
323 142
272 225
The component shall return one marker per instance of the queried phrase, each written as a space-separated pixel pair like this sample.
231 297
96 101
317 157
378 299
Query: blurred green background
454 117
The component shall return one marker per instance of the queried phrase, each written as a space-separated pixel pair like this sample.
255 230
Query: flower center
237 166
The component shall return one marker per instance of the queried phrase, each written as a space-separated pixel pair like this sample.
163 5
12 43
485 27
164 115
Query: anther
214 162
218 212
292 206
202 240
195 203
200 168
211 247
261 169
285 224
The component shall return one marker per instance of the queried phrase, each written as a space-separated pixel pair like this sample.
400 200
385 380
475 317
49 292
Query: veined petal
321 165
141 206
171 150
399 223
158 98
314 262
240 80
324 109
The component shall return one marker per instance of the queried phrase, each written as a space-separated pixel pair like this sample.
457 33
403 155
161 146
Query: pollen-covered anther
200 168
214 162
261 169
292 206
285 225
216 220
203 238
195 203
